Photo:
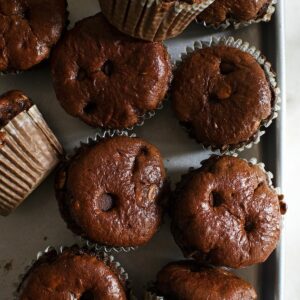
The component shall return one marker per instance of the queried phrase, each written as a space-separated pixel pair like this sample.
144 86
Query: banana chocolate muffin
187 280
75 273
223 96
227 213
28 31
110 192
234 10
108 79
11 104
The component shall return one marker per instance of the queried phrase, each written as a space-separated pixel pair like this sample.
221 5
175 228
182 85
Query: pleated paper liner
266 17
270 75
109 260
152 20
28 153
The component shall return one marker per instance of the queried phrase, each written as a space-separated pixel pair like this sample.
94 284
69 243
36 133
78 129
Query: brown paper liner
28 152
152 20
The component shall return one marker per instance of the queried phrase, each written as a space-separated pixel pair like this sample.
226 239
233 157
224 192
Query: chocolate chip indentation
26 14
87 295
107 202
216 199
81 75
249 226
90 107
108 68
226 68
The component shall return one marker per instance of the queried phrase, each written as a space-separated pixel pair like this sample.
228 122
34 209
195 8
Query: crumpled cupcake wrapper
92 141
240 24
270 75
151 20
109 260
28 153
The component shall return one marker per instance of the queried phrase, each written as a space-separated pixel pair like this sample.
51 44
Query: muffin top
11 104
28 31
238 10
73 274
221 94
110 192
186 280
226 213
106 78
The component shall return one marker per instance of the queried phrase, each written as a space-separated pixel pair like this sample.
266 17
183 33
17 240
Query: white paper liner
109 260
152 20
240 24
28 153
270 75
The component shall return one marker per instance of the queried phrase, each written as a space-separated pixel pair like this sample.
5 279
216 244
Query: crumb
45 238
8 266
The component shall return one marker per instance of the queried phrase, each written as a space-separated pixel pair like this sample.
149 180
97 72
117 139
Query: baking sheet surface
37 223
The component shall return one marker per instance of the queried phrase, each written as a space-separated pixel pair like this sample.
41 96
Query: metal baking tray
37 223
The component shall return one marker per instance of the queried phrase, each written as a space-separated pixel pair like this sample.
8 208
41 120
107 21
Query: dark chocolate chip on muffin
11 104
187 280
238 10
223 96
110 192
28 31
74 273
227 213
108 79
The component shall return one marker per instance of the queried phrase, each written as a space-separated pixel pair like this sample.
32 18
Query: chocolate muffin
234 10
106 78
222 95
72 274
227 213
110 192
187 280
28 31
11 104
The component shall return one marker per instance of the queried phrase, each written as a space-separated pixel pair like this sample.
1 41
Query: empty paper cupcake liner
109 260
152 20
239 24
28 153
270 75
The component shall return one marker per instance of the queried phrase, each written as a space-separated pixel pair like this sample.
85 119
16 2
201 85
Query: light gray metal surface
37 223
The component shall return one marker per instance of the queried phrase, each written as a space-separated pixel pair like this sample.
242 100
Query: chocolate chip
81 75
216 199
108 68
90 107
87 295
107 202
249 226
226 68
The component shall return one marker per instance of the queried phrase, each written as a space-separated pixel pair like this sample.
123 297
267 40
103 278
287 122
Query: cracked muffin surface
110 192
73 274
28 31
108 79
226 213
188 280
221 94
